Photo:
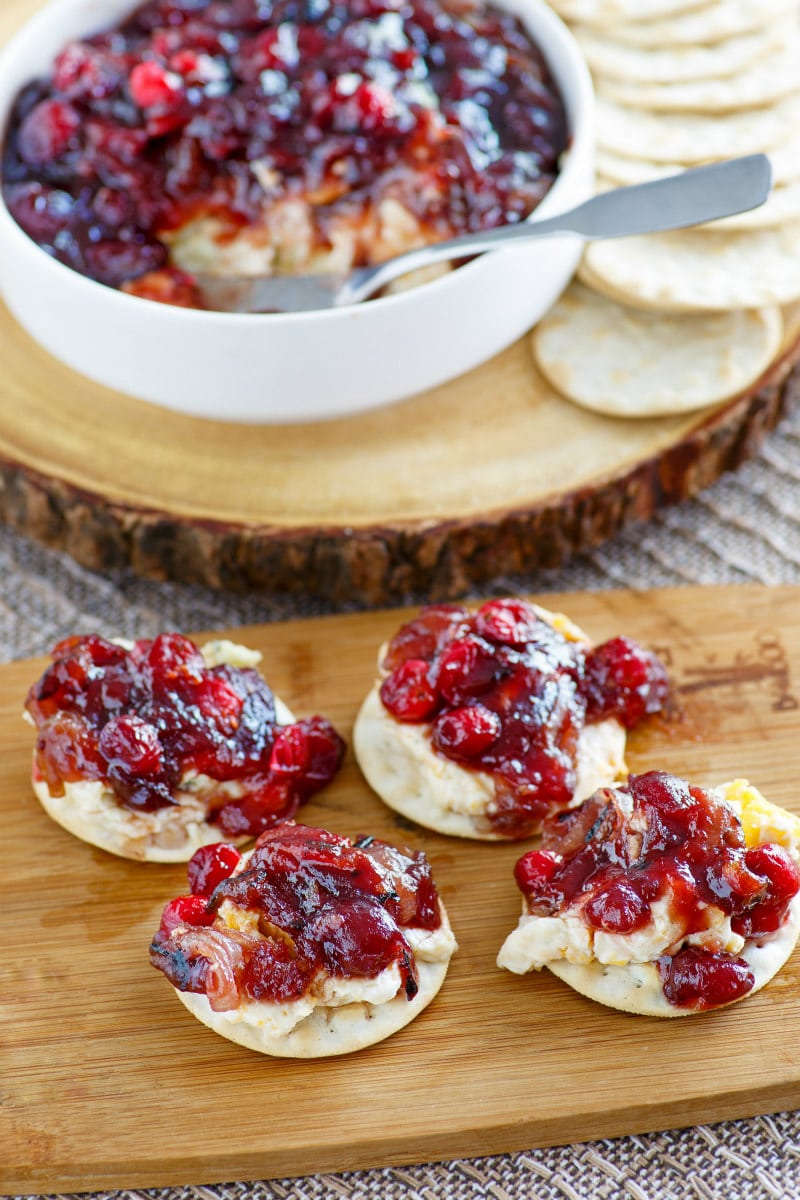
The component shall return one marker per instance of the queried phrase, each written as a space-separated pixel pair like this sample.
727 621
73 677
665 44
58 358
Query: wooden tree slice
490 474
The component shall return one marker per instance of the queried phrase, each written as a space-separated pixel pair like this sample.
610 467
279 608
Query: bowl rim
577 94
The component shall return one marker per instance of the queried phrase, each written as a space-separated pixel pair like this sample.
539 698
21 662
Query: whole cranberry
65 684
773 864
625 681
273 50
209 865
42 211
90 648
617 908
47 132
218 700
325 750
152 85
116 260
372 107
215 129
66 750
110 144
534 871
510 622
172 653
732 882
259 809
696 979
777 866
185 910
131 744
425 635
197 68
467 668
466 732
290 753
407 693
112 206
83 72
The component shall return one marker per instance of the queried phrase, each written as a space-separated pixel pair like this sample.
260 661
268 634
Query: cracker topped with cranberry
661 898
153 748
483 724
308 946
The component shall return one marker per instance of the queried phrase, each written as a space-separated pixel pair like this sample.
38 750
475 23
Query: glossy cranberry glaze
507 694
681 842
449 108
323 904
140 719
693 978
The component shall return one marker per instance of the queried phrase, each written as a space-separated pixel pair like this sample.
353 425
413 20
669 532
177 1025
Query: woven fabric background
745 529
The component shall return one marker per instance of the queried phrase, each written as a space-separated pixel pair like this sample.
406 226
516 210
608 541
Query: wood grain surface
492 473
108 1082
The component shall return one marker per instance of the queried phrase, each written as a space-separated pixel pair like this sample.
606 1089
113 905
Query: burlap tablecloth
745 529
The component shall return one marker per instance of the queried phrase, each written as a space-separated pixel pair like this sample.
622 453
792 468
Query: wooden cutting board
108 1082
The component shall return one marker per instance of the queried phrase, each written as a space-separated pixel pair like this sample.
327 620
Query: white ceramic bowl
299 366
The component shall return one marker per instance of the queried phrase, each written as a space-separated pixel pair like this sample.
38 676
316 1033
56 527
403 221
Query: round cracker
699 270
636 988
401 766
326 1031
691 138
612 60
586 276
90 811
785 160
764 82
617 171
596 284
607 12
623 171
624 362
701 26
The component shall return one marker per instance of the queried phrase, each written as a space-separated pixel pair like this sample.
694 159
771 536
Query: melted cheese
761 821
619 969
337 1015
539 941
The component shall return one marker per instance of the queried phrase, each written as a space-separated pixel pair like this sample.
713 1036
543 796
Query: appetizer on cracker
482 724
661 898
154 748
307 946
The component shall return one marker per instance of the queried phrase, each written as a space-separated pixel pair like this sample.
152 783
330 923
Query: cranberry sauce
681 842
140 719
321 902
196 107
507 694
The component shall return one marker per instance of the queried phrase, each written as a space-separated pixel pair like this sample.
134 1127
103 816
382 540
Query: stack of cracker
677 321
